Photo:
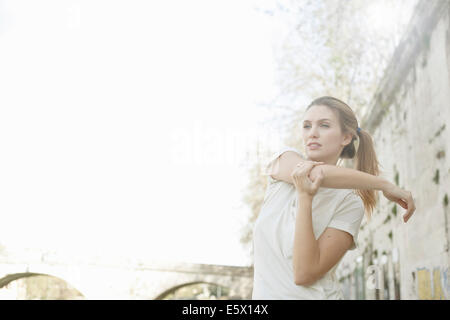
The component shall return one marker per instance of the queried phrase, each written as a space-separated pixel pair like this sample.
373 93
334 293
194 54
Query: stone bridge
97 279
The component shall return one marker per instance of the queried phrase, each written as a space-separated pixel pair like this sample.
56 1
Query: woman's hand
302 182
402 197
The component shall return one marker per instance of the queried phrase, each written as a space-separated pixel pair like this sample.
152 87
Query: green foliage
396 178
436 177
440 154
394 210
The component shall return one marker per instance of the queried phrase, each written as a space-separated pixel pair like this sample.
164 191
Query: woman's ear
347 139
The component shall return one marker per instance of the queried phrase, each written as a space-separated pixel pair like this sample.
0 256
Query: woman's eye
325 125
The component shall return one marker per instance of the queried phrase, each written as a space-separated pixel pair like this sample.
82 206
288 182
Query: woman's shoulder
282 149
352 195
349 195
341 195
278 165
351 199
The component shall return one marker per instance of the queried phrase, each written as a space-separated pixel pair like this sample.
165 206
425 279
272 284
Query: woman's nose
313 132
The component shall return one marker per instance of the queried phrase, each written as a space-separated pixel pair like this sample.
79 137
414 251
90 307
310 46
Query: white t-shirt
273 238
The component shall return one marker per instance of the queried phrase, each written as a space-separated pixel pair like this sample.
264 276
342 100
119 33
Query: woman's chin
312 157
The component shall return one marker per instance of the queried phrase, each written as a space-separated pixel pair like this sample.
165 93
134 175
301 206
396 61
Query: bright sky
124 125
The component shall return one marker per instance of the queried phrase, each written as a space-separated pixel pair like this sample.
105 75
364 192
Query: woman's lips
314 146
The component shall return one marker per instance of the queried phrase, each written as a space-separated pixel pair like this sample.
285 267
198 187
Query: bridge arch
117 279
9 278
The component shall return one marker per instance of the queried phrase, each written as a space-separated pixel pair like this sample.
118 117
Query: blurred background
133 136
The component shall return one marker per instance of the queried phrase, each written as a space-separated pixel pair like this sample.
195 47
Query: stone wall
408 122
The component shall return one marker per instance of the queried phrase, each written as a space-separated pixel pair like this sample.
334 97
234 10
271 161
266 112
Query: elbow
304 279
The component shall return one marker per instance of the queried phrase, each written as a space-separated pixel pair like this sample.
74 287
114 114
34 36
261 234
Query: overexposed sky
127 127
124 125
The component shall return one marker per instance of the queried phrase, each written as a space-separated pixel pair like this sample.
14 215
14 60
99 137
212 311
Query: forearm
306 248
345 178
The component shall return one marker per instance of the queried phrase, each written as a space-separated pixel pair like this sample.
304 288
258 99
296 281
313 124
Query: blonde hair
366 158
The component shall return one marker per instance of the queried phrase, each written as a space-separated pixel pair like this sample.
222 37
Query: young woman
311 215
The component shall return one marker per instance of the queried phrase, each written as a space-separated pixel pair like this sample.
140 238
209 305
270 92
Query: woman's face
321 126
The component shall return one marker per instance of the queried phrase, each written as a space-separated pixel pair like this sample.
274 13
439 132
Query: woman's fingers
402 203
318 180
304 169
411 208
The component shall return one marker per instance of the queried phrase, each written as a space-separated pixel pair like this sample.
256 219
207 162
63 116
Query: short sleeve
271 165
348 216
